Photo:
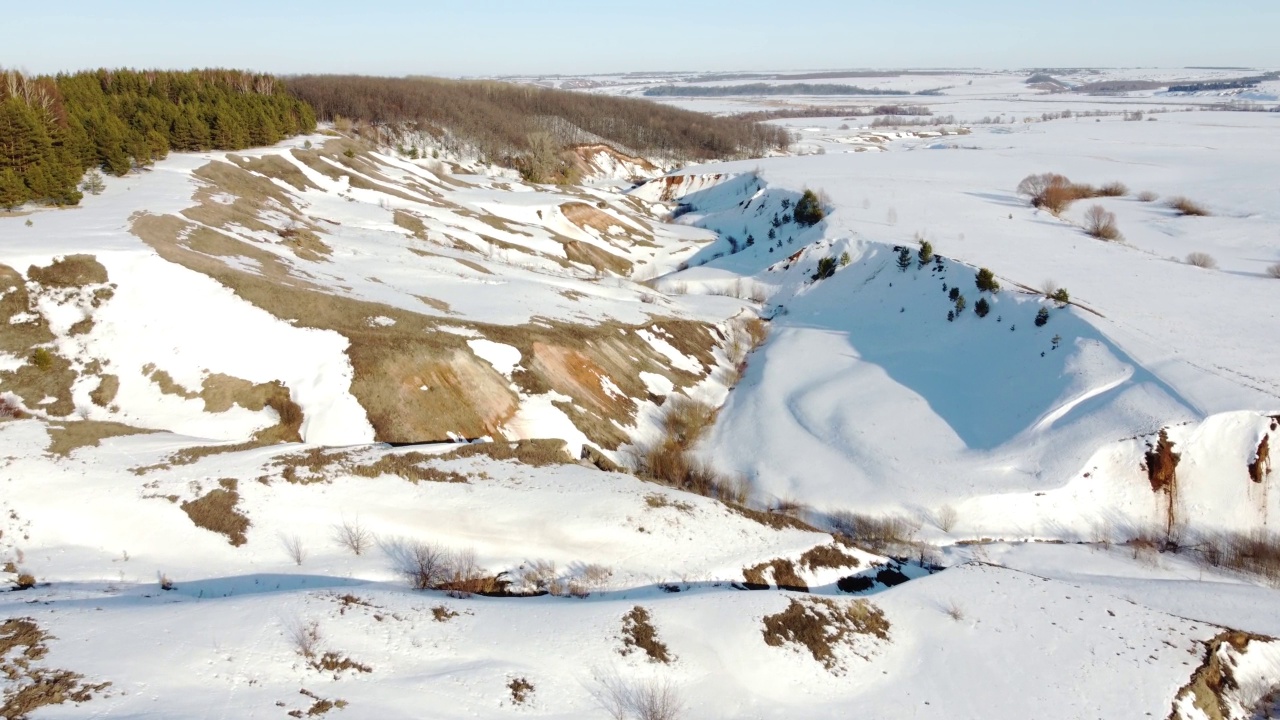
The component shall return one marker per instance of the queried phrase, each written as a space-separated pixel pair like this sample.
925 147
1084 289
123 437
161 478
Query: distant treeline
767 89
826 111
1228 84
53 129
505 122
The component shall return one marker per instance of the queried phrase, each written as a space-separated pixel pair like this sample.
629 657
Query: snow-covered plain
1016 454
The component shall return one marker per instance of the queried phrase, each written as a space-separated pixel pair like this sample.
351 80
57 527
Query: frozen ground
198 568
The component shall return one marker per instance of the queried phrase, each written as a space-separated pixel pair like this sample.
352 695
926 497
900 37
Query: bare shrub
353 536
1255 553
1101 223
655 699
594 578
1274 271
293 547
304 637
1147 196
955 611
1187 207
10 411
1049 288
945 518
166 582
24 581
1202 260
426 565
877 533
1113 189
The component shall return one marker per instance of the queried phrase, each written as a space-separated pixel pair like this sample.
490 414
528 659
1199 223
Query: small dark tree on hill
1042 317
904 259
826 268
925 254
809 209
982 307
953 293
961 304
1061 296
986 281
93 183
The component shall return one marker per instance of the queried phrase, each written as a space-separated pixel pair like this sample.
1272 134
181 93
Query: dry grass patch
71 271
1187 207
24 327
216 511
45 375
781 573
332 662
521 690
828 556
67 437
410 222
656 501
823 626
29 687
535 452
1274 271
777 521
638 633
1147 196
105 393
441 613
408 466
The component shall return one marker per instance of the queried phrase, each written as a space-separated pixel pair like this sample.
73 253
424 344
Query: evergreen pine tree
982 307
904 259
13 192
925 254
1042 317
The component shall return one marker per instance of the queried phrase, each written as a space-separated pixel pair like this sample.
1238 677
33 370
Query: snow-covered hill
239 389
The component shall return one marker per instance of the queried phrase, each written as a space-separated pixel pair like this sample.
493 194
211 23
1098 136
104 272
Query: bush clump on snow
1101 223
1202 260
1187 207
1042 317
982 307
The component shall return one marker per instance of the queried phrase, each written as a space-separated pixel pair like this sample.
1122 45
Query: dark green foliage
961 304
986 281
826 268
809 209
1042 317
951 316
982 307
1061 296
925 254
52 129
904 259
954 294
844 258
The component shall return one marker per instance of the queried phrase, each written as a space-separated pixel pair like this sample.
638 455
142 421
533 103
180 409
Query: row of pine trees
53 129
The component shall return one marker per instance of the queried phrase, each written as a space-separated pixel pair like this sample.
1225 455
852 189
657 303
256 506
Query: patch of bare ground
24 328
600 260
638 633
781 573
828 556
304 243
28 686
274 166
337 664
775 520
823 626
319 707
45 375
538 453
67 437
521 690
70 271
442 613
250 195
410 222
216 511
105 392
435 304
1215 677
408 466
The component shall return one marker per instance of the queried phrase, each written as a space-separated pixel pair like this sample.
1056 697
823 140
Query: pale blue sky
483 37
